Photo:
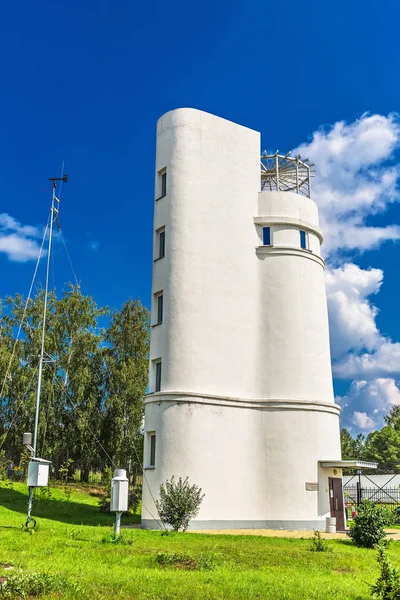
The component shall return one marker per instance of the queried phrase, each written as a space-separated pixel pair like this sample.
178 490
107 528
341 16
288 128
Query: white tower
241 398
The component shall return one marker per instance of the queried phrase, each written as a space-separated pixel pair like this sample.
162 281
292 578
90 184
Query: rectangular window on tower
160 243
161 184
303 240
164 183
152 461
158 375
160 307
266 236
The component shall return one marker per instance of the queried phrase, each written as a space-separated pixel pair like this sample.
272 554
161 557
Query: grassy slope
69 541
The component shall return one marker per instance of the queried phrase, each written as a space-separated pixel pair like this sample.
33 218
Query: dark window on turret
160 308
161 248
303 240
158 375
152 450
266 236
164 183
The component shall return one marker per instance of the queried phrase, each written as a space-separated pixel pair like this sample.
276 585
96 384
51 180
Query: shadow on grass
65 511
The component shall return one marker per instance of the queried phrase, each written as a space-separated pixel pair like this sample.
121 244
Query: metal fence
376 494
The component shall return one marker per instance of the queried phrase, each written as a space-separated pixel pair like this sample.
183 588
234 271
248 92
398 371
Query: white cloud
383 361
363 421
18 242
351 315
355 179
367 402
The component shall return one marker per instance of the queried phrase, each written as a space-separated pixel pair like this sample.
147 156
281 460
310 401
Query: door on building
336 501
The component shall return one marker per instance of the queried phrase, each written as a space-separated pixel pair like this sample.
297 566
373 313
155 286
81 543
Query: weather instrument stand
38 468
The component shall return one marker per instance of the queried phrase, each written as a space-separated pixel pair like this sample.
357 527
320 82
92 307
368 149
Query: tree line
381 446
94 379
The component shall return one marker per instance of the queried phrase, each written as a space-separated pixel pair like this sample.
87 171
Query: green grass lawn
73 539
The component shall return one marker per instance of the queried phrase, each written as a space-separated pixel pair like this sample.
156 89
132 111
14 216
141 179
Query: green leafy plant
3 465
179 503
45 493
64 471
318 544
205 562
117 539
27 584
369 522
387 587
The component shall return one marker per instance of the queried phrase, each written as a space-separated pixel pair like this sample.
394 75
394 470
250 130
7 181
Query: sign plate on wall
311 486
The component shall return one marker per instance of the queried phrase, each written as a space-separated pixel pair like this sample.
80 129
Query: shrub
368 531
387 587
3 465
179 503
389 515
27 584
318 544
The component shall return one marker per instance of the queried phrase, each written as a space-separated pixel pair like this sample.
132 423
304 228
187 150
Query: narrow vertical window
266 236
152 462
164 183
303 239
158 376
160 307
161 244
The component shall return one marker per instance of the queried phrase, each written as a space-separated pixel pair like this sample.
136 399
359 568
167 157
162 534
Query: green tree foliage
369 522
382 446
93 378
179 503
125 356
352 448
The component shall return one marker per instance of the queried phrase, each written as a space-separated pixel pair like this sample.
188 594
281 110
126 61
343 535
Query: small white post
117 523
119 497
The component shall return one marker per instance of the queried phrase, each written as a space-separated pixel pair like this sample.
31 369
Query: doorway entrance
336 502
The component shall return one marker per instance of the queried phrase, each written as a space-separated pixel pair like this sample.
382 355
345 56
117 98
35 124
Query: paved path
393 534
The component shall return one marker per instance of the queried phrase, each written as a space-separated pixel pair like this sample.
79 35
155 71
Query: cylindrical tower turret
241 397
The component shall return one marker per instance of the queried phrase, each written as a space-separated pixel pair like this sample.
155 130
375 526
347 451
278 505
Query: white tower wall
246 406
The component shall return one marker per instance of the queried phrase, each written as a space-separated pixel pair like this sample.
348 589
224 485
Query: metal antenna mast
53 217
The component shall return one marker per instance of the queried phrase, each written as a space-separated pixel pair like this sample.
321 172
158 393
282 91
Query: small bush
27 584
45 493
387 587
318 544
369 522
179 503
205 562
3 465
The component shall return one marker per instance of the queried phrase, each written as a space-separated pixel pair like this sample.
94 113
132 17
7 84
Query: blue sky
85 82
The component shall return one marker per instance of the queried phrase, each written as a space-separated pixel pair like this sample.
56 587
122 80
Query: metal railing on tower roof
285 173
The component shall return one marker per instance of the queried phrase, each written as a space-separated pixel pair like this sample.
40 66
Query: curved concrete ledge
267 524
258 404
263 251
276 220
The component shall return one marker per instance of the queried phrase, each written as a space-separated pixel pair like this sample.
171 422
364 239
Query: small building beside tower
240 388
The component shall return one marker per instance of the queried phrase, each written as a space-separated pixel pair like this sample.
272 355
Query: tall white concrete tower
240 390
